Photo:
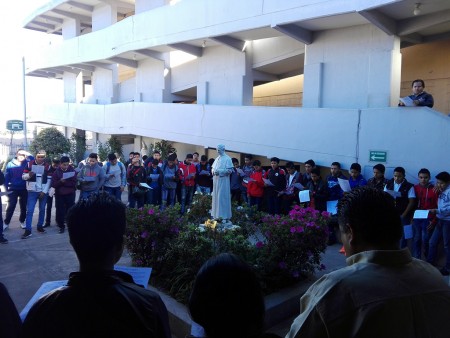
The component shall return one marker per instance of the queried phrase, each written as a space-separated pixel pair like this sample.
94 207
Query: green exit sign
14 125
377 156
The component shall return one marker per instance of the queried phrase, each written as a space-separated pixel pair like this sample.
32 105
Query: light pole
24 105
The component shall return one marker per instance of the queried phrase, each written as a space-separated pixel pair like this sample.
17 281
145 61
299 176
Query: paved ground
26 264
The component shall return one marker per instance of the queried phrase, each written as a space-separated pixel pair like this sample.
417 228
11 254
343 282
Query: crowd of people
31 180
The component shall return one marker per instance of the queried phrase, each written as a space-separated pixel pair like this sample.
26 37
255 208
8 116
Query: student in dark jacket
318 191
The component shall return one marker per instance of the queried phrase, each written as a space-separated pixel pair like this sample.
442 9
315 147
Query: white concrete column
70 28
70 88
150 81
104 84
228 74
79 85
353 67
202 93
103 16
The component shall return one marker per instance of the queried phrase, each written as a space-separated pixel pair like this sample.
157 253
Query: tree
164 147
77 147
112 145
52 141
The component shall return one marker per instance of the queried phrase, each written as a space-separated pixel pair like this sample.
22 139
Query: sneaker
41 230
26 234
23 226
444 272
5 226
3 240
61 230
46 225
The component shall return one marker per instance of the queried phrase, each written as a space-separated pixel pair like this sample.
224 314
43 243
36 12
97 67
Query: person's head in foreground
226 299
368 220
96 228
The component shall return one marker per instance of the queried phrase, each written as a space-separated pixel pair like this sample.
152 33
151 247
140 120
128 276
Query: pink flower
293 230
144 234
259 244
151 211
325 214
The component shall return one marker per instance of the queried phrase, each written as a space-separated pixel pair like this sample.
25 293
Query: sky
18 42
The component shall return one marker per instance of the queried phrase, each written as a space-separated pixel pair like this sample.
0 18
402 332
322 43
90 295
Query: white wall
127 90
326 135
352 67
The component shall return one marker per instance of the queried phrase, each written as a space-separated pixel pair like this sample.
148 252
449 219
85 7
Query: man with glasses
38 182
16 186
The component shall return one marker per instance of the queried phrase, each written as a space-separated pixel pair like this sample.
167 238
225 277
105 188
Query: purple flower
268 234
151 211
299 229
259 244
325 214
174 230
145 234
293 230
282 265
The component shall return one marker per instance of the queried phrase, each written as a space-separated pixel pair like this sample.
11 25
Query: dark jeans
22 196
114 191
256 201
48 210
187 193
236 195
63 203
153 196
274 205
134 200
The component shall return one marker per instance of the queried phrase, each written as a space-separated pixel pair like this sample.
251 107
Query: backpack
121 166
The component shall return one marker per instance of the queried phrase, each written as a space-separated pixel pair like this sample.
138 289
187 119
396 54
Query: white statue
221 196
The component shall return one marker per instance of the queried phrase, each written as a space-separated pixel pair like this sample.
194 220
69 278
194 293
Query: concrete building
296 79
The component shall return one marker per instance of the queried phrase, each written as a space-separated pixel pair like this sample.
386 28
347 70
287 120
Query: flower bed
281 249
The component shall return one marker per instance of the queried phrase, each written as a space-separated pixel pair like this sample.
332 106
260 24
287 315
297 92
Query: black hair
195 153
112 157
226 299
424 171
380 167
356 166
372 215
311 163
337 164
400 170
64 159
275 159
234 160
443 176
155 161
156 152
144 157
249 156
93 155
290 165
96 227
418 80
257 162
56 160
203 158
172 157
316 171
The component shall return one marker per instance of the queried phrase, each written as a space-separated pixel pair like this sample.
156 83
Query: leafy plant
112 145
164 147
77 147
52 141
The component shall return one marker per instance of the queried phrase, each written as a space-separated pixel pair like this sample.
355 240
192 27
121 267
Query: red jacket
426 198
187 173
256 188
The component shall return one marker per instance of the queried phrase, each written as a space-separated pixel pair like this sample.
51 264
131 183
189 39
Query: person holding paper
38 182
356 179
247 169
187 172
427 198
335 192
419 98
378 181
49 204
115 176
442 229
16 186
306 177
136 176
255 186
97 300
203 176
235 181
277 178
383 291
64 181
91 177
290 193
318 191
155 181
405 202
